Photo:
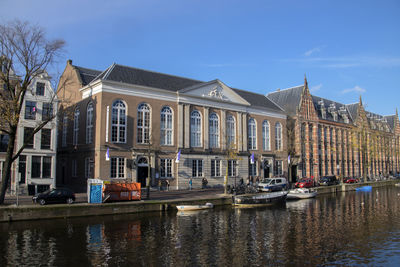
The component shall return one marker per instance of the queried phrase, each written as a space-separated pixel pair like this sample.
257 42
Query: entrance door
266 169
142 175
294 173
22 168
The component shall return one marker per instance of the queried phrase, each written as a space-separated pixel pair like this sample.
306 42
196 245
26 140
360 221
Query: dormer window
322 108
334 115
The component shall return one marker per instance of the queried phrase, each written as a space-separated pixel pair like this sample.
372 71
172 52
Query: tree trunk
6 176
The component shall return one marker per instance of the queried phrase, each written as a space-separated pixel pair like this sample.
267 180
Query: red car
350 180
303 183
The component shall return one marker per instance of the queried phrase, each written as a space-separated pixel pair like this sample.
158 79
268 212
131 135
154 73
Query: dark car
328 180
304 183
350 180
58 195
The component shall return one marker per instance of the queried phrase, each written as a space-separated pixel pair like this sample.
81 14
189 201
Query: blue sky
345 48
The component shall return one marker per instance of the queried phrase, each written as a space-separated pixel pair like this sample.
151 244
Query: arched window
230 132
266 134
118 122
166 126
252 134
195 129
143 124
89 123
214 131
76 127
278 136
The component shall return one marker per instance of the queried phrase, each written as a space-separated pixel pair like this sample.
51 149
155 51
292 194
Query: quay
158 202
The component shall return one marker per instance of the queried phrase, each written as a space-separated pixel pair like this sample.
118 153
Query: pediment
216 91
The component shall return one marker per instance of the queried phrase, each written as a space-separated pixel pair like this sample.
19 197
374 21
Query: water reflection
345 229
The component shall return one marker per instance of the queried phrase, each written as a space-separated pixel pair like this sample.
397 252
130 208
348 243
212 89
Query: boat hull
260 199
194 207
301 194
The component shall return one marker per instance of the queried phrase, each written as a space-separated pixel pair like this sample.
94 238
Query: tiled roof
87 75
258 100
288 99
327 104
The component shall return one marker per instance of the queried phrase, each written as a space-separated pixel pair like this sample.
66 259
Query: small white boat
398 184
195 207
259 199
301 193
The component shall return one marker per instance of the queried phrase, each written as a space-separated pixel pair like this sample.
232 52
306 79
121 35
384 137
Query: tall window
76 127
230 131
64 131
166 126
252 134
47 111
278 168
4 138
30 110
89 123
40 88
195 129
252 168
89 166
215 168
278 136
232 168
266 134
214 131
41 167
117 167
118 122
45 139
166 168
27 134
143 124
197 168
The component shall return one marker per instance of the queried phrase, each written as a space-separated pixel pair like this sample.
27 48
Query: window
266 134
278 136
197 168
64 131
30 110
4 142
45 139
215 168
41 167
232 168
35 169
47 111
166 168
40 88
89 166
27 137
118 122
252 134
46 167
214 131
230 132
143 124
89 123
195 129
117 167
278 168
166 126
74 168
76 127
252 168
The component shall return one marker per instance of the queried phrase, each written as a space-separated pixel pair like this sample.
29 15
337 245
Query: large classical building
127 124
330 138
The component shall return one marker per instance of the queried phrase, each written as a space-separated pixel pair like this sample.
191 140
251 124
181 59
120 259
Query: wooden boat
301 193
260 199
195 207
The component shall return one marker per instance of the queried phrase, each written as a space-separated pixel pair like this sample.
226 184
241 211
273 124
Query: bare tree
25 54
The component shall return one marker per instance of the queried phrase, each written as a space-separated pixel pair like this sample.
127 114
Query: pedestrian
204 183
167 181
190 184
159 184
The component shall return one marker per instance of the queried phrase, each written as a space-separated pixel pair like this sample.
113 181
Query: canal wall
36 212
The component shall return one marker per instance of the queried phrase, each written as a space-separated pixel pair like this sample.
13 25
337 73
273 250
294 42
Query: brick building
122 123
330 138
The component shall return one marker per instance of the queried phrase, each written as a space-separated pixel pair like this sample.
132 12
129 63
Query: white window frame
195 129
213 125
230 131
118 122
165 168
252 168
266 135
278 136
252 134
215 168
89 123
119 167
166 126
196 171
232 168
143 123
75 136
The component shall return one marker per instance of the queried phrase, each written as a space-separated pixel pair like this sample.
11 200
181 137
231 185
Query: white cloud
316 88
311 51
356 89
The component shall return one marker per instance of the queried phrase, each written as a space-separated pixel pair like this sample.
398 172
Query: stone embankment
36 212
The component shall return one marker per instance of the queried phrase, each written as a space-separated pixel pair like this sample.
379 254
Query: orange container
122 191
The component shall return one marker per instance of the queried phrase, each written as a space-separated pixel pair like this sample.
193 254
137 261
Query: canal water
352 228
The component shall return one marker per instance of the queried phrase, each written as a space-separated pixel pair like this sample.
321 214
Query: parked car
328 180
350 180
58 195
273 184
304 183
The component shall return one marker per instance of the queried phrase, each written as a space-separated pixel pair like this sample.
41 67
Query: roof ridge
108 71
280 90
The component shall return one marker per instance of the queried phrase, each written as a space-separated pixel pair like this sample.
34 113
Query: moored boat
260 199
195 207
301 193
365 188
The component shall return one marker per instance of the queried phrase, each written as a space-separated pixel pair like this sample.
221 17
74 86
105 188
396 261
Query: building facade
127 124
330 138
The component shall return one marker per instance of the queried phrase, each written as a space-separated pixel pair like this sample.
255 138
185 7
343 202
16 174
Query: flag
108 154
252 158
288 159
178 156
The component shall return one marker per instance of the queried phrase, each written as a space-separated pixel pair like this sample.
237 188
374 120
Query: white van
273 184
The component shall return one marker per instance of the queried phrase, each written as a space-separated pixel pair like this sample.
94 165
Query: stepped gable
288 99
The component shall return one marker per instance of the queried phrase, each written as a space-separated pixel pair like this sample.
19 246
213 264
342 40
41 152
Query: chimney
69 61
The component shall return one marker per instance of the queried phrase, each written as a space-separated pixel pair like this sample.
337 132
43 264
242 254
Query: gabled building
125 124
330 138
